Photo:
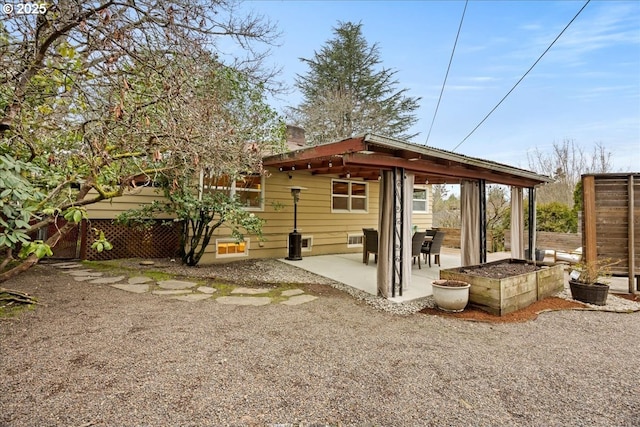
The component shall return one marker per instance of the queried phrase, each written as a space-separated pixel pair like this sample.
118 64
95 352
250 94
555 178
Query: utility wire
455 43
522 78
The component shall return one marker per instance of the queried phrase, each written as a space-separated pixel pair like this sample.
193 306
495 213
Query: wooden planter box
502 296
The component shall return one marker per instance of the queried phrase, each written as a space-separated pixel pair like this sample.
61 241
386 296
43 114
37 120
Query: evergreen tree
346 92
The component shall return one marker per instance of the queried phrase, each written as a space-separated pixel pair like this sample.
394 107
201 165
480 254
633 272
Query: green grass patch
224 289
8 310
105 265
158 275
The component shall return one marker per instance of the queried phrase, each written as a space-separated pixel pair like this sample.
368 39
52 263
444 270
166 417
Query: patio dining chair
416 246
433 248
370 244
430 234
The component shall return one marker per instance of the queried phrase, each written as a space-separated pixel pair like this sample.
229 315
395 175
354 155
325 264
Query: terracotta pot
591 293
450 295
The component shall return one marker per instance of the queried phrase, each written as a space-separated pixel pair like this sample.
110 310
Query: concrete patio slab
351 271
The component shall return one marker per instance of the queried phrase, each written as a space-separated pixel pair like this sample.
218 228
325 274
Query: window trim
233 190
309 246
349 197
425 200
304 237
235 254
355 245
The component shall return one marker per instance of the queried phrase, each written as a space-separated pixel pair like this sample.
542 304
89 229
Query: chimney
295 137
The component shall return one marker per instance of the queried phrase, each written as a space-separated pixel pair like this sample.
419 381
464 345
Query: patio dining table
427 239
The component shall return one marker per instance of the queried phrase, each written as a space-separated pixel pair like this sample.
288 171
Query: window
348 196
420 199
355 240
307 243
231 248
248 189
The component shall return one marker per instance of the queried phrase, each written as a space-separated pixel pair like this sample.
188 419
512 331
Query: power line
522 78
455 43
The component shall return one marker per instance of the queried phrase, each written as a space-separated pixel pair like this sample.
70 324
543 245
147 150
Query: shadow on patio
349 270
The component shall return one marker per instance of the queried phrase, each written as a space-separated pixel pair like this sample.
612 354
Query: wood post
631 239
589 241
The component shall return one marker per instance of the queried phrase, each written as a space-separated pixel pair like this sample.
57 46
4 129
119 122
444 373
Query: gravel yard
93 355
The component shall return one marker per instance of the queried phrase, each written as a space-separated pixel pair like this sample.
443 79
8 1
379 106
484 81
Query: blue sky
586 88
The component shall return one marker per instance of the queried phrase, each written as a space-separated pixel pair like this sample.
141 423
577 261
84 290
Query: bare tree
566 163
498 209
446 207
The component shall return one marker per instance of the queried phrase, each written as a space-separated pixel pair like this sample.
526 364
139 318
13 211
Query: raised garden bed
504 286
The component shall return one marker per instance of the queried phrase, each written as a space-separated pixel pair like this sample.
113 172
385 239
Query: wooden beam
432 168
316 152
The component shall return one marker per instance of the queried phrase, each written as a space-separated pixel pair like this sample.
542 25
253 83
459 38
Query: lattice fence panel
160 241
67 247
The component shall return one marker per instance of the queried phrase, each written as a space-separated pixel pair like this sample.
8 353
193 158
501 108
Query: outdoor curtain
386 229
517 224
470 222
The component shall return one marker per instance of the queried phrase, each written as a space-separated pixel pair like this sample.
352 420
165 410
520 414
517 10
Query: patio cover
374 157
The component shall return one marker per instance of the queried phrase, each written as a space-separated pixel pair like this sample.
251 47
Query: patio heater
295 238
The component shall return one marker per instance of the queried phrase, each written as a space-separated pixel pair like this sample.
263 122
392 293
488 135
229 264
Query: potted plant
588 281
450 295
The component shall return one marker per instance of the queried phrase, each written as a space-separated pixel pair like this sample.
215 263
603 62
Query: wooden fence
565 242
611 221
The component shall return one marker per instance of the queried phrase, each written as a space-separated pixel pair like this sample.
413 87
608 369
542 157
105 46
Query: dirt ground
529 313
94 355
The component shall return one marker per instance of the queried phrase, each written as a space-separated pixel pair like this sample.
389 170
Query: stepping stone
135 288
292 292
87 273
206 289
83 278
250 291
244 300
171 292
175 284
299 299
147 263
66 266
108 280
192 297
139 280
